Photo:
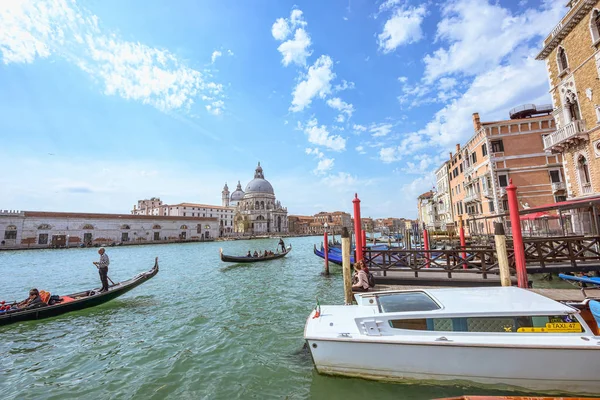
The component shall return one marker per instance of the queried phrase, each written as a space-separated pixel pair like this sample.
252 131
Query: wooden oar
111 281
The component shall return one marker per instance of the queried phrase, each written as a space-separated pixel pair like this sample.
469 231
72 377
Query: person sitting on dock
33 300
255 254
249 254
362 280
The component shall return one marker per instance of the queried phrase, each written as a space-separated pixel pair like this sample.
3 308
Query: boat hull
79 304
246 259
564 370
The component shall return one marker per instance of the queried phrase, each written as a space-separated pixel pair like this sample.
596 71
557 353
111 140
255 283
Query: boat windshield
408 301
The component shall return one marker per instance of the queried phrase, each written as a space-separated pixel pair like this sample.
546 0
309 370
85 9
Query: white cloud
389 4
343 86
296 50
317 82
480 35
316 152
402 79
341 179
131 70
345 108
230 53
320 136
379 130
403 27
216 54
360 150
389 154
216 108
359 128
324 165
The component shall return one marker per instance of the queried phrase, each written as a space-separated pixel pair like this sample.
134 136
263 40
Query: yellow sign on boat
551 327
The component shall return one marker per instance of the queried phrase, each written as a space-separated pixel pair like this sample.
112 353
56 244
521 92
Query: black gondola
78 301
246 259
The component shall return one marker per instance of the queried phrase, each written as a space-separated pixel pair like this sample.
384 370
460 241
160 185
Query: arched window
156 226
88 227
584 175
199 228
561 59
595 26
257 205
262 205
183 227
44 227
10 232
125 226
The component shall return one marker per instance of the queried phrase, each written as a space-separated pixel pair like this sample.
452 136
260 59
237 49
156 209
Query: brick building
500 151
315 225
571 53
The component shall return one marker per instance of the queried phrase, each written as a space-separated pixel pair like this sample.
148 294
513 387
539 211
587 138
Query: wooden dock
436 278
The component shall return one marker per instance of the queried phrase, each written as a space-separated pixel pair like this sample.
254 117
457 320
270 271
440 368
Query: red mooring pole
357 228
326 251
426 247
463 244
515 224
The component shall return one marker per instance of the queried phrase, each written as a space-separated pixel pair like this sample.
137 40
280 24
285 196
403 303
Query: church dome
238 194
259 184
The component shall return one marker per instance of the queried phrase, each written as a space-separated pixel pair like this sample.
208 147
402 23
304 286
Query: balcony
586 188
502 191
571 133
473 197
558 187
487 192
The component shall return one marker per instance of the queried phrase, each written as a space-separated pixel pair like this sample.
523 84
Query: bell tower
225 196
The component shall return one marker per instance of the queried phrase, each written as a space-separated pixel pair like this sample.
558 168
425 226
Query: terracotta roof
50 214
426 195
197 205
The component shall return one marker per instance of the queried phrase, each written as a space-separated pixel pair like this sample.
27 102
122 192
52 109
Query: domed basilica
257 211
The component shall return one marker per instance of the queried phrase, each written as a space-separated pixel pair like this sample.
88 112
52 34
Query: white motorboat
493 335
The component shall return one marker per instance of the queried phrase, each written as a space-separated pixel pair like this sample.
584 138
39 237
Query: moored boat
491 335
246 259
78 301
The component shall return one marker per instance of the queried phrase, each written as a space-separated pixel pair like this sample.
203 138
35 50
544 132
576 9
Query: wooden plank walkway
436 278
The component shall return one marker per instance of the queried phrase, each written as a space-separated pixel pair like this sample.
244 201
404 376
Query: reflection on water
200 329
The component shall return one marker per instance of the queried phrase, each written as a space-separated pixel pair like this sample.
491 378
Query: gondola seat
44 296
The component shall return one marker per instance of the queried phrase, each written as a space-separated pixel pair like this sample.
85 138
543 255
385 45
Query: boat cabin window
408 301
510 324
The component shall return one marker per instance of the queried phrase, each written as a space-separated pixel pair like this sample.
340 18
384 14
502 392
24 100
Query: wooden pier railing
564 254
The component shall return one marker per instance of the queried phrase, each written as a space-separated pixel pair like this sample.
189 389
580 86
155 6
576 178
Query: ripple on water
199 329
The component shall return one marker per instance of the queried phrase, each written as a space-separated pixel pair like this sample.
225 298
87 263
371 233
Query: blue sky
106 102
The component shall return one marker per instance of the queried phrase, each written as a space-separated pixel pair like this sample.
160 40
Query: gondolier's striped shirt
104 261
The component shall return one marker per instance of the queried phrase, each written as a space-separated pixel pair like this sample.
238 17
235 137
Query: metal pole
357 228
462 240
501 253
515 222
326 251
347 273
426 247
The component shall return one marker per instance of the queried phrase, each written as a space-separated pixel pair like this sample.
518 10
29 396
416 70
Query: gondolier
103 268
282 244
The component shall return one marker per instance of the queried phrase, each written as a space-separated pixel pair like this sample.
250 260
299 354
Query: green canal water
201 329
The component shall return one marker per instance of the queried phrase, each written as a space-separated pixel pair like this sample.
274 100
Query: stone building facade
37 229
444 217
572 55
426 210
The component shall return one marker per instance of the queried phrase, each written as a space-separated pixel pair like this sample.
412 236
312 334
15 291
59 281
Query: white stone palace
257 210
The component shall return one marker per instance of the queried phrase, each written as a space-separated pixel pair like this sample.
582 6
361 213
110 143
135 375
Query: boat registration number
564 327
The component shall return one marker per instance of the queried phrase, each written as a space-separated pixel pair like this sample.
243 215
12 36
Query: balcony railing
502 191
563 134
470 198
487 191
587 188
558 186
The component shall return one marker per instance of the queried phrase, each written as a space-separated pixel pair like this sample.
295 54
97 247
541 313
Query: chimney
476 122
457 148
450 156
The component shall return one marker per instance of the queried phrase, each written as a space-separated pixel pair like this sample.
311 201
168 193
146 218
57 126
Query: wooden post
347 272
461 231
326 251
501 253
515 223
357 229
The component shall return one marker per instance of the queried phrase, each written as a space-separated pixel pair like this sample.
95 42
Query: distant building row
315 224
551 152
